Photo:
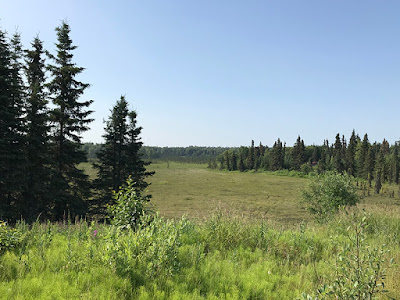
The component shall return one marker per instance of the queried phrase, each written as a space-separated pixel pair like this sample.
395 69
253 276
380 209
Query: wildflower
94 233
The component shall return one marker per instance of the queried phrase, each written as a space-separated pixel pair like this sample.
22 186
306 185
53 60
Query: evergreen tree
7 132
350 155
120 156
227 160
234 161
369 166
362 155
241 163
136 164
337 155
12 162
36 196
250 160
298 154
277 156
395 163
378 171
70 118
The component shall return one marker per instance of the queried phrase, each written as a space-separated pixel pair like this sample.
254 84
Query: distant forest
191 154
373 162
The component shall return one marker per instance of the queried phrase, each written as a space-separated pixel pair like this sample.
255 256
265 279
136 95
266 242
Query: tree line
41 145
373 162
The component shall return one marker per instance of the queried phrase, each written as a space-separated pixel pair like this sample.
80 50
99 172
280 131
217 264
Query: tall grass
224 257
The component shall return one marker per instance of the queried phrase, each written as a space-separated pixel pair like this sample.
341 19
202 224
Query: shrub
326 193
130 206
359 269
9 237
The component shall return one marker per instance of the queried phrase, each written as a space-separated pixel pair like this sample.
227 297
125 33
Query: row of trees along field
377 162
40 146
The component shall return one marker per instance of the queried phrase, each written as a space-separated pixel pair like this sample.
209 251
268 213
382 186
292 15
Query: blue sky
220 73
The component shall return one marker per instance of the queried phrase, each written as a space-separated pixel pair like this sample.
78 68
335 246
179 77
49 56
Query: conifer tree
241 163
337 155
120 156
362 156
7 113
277 156
12 162
36 196
350 155
395 163
234 161
250 160
298 154
378 171
70 118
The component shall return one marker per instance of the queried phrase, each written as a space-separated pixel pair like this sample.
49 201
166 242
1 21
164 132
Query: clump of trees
373 162
41 145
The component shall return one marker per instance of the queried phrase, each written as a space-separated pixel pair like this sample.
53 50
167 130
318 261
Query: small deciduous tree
326 193
130 206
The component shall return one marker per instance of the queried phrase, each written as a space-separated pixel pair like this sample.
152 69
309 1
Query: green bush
326 193
9 238
359 269
130 206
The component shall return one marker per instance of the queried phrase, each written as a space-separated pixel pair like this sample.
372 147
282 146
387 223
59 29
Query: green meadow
219 235
193 190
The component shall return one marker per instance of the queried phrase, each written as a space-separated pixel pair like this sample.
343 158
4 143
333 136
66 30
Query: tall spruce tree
7 132
338 155
70 118
12 162
277 156
251 158
362 156
36 196
120 156
350 155
298 154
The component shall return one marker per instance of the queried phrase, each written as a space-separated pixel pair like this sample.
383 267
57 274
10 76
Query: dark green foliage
12 161
362 156
379 167
70 118
298 154
120 156
234 161
36 195
250 158
191 154
241 163
277 156
338 158
350 155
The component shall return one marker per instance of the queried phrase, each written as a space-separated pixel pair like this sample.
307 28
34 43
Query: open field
193 190
239 251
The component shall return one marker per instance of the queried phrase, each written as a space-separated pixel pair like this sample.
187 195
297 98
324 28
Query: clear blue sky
220 73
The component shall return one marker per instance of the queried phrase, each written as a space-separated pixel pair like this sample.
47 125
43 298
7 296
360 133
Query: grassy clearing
193 190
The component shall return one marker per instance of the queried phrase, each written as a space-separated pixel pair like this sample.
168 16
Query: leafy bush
130 206
9 237
326 193
359 268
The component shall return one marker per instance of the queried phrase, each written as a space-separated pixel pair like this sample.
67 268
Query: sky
221 73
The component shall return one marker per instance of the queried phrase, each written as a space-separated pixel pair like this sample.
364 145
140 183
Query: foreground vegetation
227 257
